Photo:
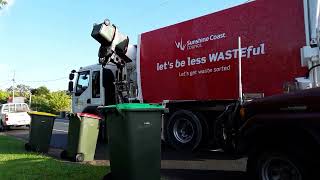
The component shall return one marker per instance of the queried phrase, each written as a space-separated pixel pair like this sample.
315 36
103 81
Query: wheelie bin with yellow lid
40 131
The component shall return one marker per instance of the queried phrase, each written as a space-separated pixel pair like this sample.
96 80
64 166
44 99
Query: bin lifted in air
114 44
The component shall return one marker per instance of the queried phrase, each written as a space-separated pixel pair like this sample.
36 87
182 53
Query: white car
14 114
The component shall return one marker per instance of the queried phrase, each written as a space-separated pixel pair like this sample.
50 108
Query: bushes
53 102
42 99
59 101
4 95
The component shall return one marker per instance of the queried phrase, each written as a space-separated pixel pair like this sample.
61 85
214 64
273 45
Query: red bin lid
89 115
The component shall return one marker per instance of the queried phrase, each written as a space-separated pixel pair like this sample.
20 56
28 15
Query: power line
50 80
4 84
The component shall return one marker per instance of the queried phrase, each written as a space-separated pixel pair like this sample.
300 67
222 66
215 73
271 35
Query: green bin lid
41 113
134 107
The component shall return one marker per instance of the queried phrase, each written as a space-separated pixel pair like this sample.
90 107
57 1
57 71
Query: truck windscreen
82 82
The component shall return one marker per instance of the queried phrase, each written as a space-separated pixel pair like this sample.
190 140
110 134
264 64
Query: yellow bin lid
41 113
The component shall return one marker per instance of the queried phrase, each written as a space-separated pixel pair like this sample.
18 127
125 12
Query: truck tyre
276 165
184 130
223 138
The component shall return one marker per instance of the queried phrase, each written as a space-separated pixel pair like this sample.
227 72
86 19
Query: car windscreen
21 108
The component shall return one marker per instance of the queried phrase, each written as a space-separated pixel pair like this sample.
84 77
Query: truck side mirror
71 76
70 87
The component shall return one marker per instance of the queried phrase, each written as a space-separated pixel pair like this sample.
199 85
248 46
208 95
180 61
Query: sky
41 41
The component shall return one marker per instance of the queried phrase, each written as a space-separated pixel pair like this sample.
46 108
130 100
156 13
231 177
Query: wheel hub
277 168
183 130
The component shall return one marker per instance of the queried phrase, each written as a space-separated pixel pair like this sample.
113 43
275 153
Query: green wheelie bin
82 137
40 131
134 131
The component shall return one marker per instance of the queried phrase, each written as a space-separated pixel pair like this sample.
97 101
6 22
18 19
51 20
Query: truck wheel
223 138
184 130
275 165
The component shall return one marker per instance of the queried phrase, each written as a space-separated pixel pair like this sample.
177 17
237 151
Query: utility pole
13 81
30 99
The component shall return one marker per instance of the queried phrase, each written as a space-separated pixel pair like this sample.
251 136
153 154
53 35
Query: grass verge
16 163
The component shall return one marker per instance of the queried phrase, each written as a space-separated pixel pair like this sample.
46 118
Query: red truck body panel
198 59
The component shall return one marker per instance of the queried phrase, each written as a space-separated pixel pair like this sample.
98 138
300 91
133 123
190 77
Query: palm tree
3 3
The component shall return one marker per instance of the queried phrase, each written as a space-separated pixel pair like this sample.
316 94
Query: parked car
14 114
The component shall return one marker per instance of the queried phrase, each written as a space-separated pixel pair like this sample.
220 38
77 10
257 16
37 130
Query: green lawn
16 163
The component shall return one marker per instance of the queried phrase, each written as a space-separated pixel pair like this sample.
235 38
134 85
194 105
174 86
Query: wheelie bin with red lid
82 137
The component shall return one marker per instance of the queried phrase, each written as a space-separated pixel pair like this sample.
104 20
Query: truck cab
93 87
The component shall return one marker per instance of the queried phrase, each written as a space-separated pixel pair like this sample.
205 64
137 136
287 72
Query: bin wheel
27 147
63 154
79 157
107 176
37 149
2 127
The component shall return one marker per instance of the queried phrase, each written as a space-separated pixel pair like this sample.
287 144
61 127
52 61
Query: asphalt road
203 165
59 133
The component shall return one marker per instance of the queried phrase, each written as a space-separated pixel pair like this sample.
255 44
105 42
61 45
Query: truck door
82 95
108 85
96 90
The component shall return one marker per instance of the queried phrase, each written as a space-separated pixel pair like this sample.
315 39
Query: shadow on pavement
176 174
18 132
59 140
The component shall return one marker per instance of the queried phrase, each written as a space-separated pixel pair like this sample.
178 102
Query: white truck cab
90 89
94 85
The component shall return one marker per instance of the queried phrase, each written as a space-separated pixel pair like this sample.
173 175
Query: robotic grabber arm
114 44
113 49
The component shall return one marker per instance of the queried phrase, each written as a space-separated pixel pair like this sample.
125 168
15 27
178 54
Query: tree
59 101
20 90
40 103
3 3
4 95
42 90
52 102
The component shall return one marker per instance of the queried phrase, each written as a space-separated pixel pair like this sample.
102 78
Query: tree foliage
59 101
4 95
42 99
3 3
53 102
40 103
20 90
42 90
